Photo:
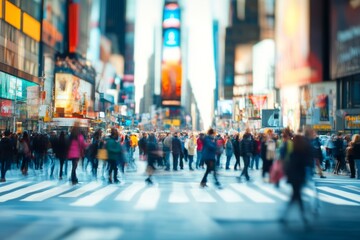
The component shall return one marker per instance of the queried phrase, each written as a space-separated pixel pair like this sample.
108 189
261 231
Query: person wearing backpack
247 150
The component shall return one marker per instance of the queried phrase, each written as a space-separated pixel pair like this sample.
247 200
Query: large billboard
171 69
171 84
72 95
298 43
345 38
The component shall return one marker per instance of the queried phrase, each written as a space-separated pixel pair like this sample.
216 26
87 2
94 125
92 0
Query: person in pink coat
76 149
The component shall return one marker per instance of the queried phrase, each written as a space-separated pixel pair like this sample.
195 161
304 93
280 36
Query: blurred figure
93 150
191 147
199 148
60 153
237 151
176 151
77 147
295 170
257 150
247 150
229 151
350 155
26 153
339 153
153 153
220 146
356 153
167 142
142 145
317 153
115 153
6 154
209 156
268 149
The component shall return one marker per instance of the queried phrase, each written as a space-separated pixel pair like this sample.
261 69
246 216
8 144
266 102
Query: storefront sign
5 108
352 122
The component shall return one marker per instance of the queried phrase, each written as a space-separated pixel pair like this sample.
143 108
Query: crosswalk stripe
201 195
26 190
329 199
357 189
348 195
38 197
129 192
229 196
272 192
12 186
148 199
251 193
95 197
178 194
87 188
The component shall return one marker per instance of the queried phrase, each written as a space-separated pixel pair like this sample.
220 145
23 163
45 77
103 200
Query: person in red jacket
199 148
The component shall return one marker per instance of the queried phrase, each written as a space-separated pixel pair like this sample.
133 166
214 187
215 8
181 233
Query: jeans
75 162
357 164
191 159
255 159
210 166
199 161
244 172
228 158
237 161
175 160
5 164
167 159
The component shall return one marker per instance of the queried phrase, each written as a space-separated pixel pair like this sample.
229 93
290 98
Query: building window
355 93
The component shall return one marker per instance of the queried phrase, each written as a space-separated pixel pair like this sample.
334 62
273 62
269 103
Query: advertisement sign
171 84
298 44
270 118
171 17
32 101
72 94
345 38
225 108
5 108
352 122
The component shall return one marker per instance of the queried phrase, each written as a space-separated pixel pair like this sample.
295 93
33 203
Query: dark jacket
176 145
316 145
6 149
247 144
209 149
356 151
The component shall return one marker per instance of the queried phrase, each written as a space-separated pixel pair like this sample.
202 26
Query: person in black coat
295 168
176 150
6 154
60 149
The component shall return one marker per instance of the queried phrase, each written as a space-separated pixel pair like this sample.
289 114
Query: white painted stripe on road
96 233
272 191
178 194
148 199
12 186
26 190
38 197
87 188
95 197
329 199
128 193
229 195
356 189
251 193
201 195
352 196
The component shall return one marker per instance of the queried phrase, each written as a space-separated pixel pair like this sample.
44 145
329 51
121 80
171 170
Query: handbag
102 154
276 172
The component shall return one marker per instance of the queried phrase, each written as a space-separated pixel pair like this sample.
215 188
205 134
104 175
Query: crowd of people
173 151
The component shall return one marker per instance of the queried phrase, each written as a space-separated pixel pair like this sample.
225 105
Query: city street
175 207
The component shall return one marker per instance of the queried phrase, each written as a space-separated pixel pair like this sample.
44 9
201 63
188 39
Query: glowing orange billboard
171 84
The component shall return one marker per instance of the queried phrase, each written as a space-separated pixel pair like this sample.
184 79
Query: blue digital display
171 37
171 17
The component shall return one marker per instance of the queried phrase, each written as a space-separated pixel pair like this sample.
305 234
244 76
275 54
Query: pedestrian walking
229 151
356 153
153 153
77 146
176 149
247 150
191 148
209 156
300 159
115 154
6 154
237 151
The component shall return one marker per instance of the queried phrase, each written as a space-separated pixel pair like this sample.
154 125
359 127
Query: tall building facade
20 56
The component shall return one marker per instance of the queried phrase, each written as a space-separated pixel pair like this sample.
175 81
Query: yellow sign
322 127
172 122
1 9
12 14
352 122
31 27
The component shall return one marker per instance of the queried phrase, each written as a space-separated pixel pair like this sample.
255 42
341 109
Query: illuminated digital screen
171 37
171 17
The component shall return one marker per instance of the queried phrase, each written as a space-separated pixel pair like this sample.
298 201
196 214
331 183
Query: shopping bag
276 171
102 154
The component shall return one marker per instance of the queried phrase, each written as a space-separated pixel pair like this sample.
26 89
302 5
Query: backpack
270 149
